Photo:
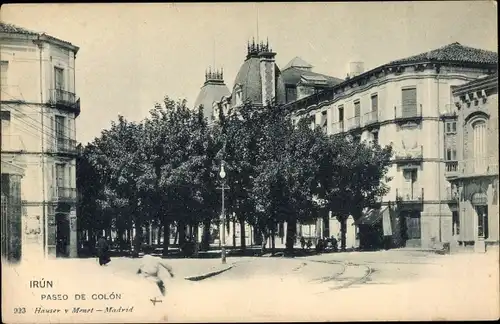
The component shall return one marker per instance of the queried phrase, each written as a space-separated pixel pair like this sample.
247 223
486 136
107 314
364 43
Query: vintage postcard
249 162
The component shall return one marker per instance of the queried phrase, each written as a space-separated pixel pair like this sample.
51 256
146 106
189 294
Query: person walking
149 268
103 251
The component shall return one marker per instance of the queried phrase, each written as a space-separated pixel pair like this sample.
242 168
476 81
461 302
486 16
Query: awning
375 216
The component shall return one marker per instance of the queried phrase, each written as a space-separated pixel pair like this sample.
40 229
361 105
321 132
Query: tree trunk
166 237
138 239
176 236
291 232
205 239
234 234
343 231
242 233
158 234
181 230
264 242
273 236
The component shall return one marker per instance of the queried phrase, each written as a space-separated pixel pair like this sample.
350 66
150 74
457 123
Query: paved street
391 285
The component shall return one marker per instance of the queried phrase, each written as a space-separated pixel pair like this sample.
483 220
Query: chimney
356 68
267 72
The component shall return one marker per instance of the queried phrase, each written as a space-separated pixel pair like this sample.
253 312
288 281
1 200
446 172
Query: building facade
474 176
38 109
407 104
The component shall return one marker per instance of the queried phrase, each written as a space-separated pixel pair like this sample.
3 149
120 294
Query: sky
132 55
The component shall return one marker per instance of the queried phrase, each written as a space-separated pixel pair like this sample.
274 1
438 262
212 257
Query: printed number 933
19 310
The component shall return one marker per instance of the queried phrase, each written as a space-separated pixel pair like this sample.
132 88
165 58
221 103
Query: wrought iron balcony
410 154
65 145
65 194
451 169
403 114
410 195
12 143
478 167
370 117
65 100
353 123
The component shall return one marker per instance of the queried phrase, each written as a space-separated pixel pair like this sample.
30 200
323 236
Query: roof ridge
15 29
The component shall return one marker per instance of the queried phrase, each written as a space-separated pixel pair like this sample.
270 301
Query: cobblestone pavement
390 285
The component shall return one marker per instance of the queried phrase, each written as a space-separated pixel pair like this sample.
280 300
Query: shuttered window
375 102
357 109
341 113
409 100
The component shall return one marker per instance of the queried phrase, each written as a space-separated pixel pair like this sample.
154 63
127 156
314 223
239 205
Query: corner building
408 104
38 111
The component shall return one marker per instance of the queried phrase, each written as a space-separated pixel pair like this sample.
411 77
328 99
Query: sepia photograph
249 162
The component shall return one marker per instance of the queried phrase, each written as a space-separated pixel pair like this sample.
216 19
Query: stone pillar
73 233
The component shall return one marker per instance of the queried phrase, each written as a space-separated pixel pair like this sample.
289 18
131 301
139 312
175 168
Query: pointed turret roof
298 63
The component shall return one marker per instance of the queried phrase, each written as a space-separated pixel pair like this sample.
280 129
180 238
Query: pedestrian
149 268
302 242
103 251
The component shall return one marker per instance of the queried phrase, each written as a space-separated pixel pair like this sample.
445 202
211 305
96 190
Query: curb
209 274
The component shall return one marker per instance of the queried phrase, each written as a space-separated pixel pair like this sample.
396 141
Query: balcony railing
370 117
12 143
410 195
403 113
338 127
353 123
65 194
65 145
410 154
484 166
64 98
451 168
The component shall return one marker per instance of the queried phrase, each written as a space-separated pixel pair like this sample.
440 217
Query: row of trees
165 171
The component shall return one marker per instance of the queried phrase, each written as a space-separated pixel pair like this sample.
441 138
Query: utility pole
39 43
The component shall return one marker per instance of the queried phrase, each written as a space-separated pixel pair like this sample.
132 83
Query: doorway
62 235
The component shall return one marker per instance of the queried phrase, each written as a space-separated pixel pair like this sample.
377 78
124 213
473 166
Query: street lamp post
222 175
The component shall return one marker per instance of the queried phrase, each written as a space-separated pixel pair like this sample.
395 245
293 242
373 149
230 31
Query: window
451 127
59 78
60 121
341 113
409 101
357 109
482 221
375 137
451 154
3 72
479 145
5 128
324 120
375 102
60 179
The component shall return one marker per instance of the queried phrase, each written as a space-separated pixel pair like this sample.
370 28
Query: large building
472 164
259 80
409 105
38 110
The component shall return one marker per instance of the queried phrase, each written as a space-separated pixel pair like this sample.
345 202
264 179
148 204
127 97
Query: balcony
338 127
64 100
478 167
411 195
12 144
408 114
451 169
64 194
353 123
414 154
370 118
65 146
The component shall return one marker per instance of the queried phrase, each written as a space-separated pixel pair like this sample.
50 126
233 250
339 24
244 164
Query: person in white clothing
150 267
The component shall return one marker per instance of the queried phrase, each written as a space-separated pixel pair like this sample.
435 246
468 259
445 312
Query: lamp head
222 173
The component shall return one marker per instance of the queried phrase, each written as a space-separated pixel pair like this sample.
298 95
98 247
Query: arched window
479 139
